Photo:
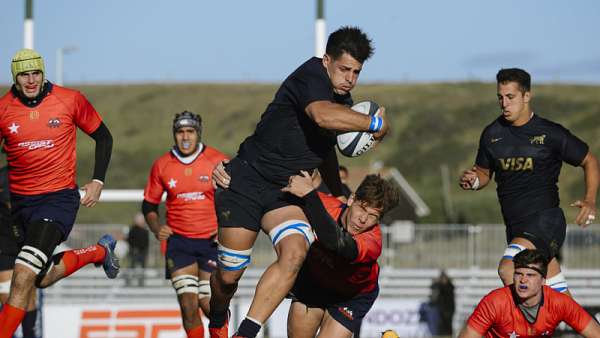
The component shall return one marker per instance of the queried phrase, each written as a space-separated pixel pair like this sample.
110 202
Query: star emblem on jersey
172 183
513 335
14 128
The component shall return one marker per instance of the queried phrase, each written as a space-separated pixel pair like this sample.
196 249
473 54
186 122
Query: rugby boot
111 262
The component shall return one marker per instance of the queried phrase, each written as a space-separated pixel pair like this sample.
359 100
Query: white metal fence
418 246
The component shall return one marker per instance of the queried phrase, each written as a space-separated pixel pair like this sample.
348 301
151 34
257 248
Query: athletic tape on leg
185 284
512 250
32 258
558 283
232 260
204 289
292 227
5 287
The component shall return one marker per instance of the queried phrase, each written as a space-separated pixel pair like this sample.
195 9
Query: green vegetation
433 124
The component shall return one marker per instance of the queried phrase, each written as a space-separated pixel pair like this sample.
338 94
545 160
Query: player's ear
526 97
326 60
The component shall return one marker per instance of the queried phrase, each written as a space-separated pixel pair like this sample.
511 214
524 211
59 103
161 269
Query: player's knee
558 283
292 257
226 281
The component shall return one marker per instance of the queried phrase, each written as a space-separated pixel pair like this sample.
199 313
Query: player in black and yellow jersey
525 153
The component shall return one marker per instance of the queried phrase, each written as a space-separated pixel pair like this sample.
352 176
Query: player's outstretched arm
338 117
475 178
587 212
468 332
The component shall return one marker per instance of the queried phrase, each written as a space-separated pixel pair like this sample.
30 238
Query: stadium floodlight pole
60 52
28 25
320 30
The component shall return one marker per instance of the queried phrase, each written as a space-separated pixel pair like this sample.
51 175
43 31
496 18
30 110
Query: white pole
28 25
320 30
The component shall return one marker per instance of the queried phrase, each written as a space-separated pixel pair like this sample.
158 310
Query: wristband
376 124
98 181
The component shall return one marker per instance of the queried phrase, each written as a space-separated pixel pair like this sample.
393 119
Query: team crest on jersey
53 122
203 178
34 115
538 139
187 172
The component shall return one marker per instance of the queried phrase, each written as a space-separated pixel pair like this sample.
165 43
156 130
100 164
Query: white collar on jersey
190 158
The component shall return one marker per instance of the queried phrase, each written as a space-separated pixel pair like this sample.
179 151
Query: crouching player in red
338 282
528 308
185 174
38 128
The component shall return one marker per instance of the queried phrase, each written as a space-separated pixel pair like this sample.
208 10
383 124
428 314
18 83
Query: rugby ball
356 143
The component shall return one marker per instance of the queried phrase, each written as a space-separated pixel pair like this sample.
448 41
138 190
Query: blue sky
133 41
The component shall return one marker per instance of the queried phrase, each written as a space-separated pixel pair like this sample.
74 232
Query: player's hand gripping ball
356 143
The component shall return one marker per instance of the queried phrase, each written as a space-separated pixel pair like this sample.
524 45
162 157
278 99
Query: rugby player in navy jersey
525 153
296 132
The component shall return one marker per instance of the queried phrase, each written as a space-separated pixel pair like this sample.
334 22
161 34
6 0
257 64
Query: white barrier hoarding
162 320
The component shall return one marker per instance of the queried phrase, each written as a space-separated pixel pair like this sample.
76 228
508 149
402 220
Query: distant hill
433 124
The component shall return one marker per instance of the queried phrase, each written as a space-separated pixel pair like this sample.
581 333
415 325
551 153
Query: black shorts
183 251
546 229
248 197
346 310
59 207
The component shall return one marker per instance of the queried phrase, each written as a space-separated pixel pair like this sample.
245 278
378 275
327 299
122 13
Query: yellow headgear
389 334
27 60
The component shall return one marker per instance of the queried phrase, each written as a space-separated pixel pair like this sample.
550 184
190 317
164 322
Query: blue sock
28 324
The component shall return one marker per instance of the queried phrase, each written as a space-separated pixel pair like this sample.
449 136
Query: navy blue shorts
248 197
346 310
183 251
59 207
546 229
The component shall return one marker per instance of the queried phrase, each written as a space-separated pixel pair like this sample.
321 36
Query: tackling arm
468 332
592 330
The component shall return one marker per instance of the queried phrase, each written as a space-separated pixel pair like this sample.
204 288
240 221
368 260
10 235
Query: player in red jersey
338 282
528 308
191 253
38 125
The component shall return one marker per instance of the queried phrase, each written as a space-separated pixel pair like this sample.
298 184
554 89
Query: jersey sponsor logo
203 178
34 115
516 163
53 122
191 196
14 128
494 140
32 145
538 139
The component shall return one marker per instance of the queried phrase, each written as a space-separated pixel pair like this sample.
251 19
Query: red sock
10 318
76 259
197 332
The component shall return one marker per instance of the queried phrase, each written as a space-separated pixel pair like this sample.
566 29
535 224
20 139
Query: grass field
433 124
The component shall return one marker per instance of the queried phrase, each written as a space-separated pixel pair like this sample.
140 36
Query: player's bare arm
335 116
468 332
220 178
587 206
592 330
475 178
160 231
